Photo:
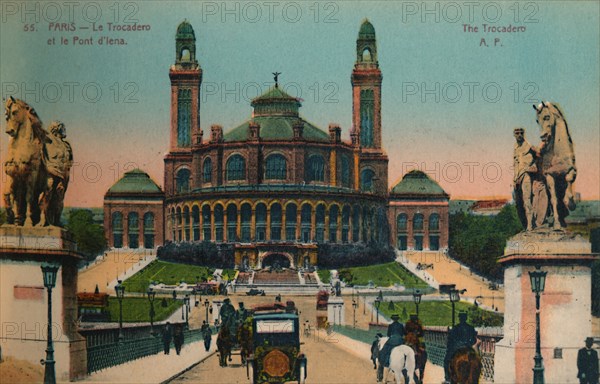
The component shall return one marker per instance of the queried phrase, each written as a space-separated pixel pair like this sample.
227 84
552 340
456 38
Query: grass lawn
324 275
382 275
171 274
137 309
440 312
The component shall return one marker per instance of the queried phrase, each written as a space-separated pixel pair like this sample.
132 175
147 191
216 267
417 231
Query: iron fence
102 356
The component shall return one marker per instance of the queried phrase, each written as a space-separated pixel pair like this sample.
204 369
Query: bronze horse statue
557 161
24 164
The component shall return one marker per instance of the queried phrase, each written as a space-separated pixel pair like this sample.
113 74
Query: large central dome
277 113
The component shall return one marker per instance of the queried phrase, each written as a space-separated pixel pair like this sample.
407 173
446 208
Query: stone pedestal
335 311
24 300
565 306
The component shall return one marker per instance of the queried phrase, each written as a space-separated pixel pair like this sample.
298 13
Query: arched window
117 228
186 223
276 167
276 222
320 222
315 168
236 168
178 224
133 229
366 55
185 54
291 212
184 117
434 222
196 222
182 181
334 212
261 222
305 221
148 230
207 170
402 222
418 222
366 180
367 107
206 229
345 174
246 222
231 223
356 224
218 222
345 223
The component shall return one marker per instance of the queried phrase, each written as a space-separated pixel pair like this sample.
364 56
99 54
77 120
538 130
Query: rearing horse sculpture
557 161
24 163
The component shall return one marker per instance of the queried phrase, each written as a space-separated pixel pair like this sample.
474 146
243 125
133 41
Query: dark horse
465 366
224 345
245 339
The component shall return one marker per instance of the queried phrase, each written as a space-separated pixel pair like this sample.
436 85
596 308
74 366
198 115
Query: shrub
333 256
203 253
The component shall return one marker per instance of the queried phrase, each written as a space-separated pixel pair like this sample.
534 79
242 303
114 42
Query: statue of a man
525 168
58 158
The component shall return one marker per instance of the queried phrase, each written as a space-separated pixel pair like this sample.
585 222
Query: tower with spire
366 112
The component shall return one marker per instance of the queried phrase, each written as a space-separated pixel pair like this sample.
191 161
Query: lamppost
120 289
183 310
417 299
454 298
538 282
49 271
354 306
186 302
206 305
151 295
377 304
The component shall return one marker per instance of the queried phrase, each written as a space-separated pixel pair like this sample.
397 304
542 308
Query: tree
88 235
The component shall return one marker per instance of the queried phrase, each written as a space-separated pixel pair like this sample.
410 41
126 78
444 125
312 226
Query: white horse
401 358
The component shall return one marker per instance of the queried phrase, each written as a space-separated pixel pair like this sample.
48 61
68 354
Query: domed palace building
276 185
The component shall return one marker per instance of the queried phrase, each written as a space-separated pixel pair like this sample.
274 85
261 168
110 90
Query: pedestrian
587 363
206 335
166 338
178 338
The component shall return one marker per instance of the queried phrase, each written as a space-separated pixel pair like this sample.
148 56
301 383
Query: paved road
327 363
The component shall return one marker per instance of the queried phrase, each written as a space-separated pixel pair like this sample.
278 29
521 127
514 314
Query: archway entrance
276 261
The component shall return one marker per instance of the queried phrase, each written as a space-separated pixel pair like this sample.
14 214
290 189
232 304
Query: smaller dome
417 184
185 31
135 181
367 31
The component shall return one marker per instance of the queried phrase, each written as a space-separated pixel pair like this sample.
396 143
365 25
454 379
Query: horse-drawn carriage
276 356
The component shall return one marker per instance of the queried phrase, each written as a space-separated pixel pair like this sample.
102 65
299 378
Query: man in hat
462 335
395 333
167 336
587 363
228 316
242 313
206 335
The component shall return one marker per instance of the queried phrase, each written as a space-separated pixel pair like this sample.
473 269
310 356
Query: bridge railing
104 349
436 340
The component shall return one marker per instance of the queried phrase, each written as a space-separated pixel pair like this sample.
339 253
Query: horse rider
242 313
414 332
395 333
228 316
461 336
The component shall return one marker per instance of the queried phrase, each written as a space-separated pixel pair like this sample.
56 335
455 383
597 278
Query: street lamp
120 289
417 299
354 306
538 282
377 304
49 272
454 298
151 295
206 305
186 302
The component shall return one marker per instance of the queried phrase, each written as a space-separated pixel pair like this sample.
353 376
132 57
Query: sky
451 92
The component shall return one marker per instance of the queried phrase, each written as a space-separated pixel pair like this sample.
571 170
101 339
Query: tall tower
186 77
371 174
366 88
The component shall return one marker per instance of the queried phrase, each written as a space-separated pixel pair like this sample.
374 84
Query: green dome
185 31
135 181
417 184
277 128
367 31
